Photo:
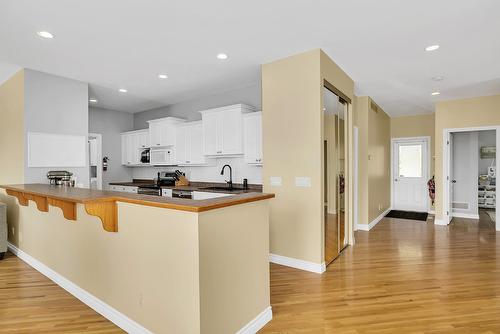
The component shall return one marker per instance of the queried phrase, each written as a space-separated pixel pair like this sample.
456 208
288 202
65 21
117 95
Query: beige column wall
361 121
292 147
473 112
12 140
379 163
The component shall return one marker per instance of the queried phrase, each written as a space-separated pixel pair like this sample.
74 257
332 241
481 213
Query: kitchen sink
222 189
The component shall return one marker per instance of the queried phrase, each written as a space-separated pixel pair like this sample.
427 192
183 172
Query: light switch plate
303 181
275 181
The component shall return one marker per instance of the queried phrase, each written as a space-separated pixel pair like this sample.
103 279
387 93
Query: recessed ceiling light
222 56
432 47
162 76
93 100
45 34
435 93
122 90
438 78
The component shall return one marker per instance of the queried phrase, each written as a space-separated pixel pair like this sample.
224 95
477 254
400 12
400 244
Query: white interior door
449 205
410 175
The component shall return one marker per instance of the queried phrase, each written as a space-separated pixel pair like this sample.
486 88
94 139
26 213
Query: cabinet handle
157 144
187 161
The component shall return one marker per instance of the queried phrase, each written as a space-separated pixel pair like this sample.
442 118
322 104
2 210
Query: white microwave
162 156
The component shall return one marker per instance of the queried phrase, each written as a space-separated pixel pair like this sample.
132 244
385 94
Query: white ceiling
380 44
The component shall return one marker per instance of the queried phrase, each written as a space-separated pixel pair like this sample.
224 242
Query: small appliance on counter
60 178
164 179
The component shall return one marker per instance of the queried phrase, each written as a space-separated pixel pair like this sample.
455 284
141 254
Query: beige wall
374 154
415 126
12 139
379 163
474 112
361 106
292 146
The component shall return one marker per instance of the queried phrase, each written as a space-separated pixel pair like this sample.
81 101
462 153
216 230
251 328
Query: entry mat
408 215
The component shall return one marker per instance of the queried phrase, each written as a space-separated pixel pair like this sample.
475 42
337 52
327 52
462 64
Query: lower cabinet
166 192
127 189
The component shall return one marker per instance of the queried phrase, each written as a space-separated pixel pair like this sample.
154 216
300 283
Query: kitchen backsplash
211 173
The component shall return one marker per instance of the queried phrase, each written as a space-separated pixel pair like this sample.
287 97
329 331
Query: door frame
100 175
446 218
427 140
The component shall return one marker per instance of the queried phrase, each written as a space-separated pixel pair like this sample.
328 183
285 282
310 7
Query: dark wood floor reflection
401 277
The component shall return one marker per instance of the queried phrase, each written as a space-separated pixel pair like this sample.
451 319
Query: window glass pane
410 161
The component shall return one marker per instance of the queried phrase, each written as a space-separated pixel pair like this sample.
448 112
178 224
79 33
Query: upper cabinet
162 131
252 132
223 130
189 144
132 144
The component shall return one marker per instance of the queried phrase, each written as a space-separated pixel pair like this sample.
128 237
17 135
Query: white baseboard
258 322
119 319
365 227
465 215
440 222
298 264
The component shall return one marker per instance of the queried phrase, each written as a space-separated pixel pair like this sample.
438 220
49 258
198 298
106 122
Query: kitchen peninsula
165 265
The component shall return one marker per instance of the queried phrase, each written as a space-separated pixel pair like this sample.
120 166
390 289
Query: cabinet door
259 138
210 134
124 149
251 142
129 143
196 145
155 134
135 148
232 134
182 145
144 139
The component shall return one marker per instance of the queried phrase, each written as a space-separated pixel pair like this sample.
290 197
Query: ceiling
116 44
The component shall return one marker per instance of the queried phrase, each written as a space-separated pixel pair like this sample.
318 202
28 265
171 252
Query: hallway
401 277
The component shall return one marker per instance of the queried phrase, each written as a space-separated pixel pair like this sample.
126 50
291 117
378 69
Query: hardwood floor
31 303
401 277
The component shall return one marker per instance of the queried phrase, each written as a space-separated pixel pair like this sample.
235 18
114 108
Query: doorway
95 160
410 174
470 175
335 153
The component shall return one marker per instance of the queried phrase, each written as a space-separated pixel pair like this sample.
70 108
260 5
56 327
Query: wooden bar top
88 196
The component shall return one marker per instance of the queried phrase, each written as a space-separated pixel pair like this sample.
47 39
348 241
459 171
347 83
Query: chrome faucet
230 182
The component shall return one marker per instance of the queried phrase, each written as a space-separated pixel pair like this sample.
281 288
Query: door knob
454 181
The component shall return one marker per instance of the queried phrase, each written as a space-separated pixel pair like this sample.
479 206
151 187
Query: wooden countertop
84 196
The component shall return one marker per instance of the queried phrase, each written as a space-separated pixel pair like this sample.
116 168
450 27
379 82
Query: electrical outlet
276 181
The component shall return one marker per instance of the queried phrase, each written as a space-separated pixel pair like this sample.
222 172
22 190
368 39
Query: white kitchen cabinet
189 144
166 192
199 195
252 133
223 130
162 131
127 189
133 143
162 157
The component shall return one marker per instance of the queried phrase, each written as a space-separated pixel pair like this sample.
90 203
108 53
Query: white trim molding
440 222
465 215
258 322
317 268
110 313
365 227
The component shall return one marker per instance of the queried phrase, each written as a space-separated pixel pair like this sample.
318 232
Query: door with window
410 174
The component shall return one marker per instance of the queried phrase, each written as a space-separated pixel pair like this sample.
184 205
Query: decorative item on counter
105 163
245 184
61 177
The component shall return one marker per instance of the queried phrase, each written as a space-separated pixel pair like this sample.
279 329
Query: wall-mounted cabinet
189 144
162 131
133 143
223 130
252 141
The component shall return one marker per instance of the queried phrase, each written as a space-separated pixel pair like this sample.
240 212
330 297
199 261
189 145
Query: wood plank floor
401 277
31 303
